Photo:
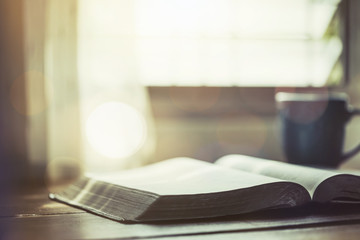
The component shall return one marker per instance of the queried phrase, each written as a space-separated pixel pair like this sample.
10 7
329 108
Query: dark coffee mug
313 127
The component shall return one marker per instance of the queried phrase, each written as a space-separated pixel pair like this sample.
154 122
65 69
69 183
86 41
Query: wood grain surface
34 216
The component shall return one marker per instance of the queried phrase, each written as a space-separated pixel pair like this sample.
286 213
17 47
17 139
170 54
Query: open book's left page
181 176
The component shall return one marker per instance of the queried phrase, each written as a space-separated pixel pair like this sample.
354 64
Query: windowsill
217 102
211 102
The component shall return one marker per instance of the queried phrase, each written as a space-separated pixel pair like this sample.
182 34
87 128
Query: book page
308 177
181 176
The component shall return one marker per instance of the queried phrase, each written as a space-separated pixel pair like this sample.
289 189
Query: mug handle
355 150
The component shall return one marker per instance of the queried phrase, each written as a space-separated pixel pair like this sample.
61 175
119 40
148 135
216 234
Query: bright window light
228 18
116 130
208 42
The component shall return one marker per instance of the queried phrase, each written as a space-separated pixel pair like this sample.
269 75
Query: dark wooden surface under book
33 216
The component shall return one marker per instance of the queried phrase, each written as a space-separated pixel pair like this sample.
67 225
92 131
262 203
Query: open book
184 188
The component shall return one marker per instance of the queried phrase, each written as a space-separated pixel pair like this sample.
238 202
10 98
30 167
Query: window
210 42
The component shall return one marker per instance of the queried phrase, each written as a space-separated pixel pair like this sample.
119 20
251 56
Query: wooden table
32 215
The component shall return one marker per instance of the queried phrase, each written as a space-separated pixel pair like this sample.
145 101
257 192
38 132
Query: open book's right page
323 185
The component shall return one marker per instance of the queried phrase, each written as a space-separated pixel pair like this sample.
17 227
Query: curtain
40 126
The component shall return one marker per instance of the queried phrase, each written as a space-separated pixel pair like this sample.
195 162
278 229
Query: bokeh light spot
303 106
60 171
27 93
116 130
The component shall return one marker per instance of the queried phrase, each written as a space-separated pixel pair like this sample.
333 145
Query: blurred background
102 85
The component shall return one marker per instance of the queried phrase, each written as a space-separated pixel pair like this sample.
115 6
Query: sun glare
116 130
